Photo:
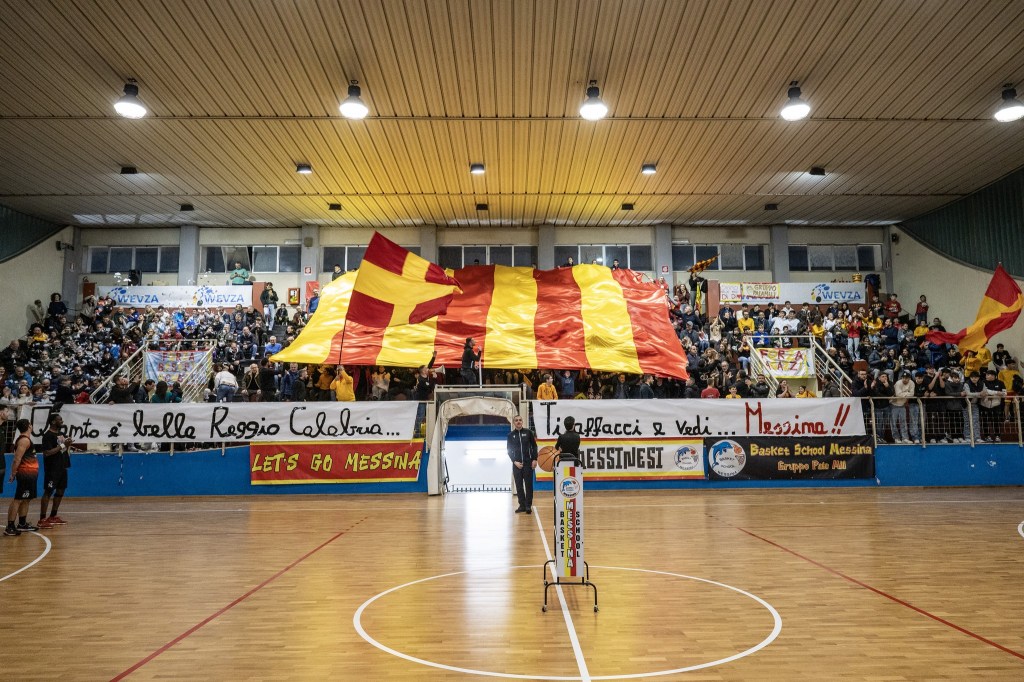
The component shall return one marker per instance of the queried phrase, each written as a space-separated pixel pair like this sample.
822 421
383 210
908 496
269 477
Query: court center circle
776 629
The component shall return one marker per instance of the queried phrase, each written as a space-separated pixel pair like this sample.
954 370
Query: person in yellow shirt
733 394
984 357
818 330
344 386
745 324
971 363
1007 375
804 393
547 390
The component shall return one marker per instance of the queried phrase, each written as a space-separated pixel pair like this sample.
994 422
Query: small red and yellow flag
998 311
703 265
395 286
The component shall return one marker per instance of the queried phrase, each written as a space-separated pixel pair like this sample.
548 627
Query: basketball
546 458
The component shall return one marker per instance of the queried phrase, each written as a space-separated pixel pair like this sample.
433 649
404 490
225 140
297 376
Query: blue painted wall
211 473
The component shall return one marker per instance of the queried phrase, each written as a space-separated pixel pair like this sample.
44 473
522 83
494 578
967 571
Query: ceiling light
627 207
796 108
303 168
593 108
648 169
476 168
129 105
187 207
1011 108
333 207
353 106
482 207
771 207
129 170
817 170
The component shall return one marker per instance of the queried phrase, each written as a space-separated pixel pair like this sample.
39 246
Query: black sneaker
11 531
529 511
520 510
26 528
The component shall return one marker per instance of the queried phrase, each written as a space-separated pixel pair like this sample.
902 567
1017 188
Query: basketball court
711 585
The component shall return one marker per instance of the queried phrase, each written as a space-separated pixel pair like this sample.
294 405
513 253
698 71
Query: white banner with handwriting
794 417
234 422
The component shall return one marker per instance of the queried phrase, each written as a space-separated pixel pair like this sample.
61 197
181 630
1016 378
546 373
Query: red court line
887 596
233 604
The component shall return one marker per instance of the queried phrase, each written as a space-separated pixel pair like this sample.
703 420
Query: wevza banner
632 420
341 462
653 459
796 293
179 296
234 422
174 365
568 520
731 459
788 363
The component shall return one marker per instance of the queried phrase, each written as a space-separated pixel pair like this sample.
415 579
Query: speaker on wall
308 242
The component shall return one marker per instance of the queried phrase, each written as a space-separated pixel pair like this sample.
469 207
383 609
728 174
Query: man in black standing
55 450
522 450
568 442
470 363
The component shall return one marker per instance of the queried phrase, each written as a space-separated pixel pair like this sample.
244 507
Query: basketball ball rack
573 490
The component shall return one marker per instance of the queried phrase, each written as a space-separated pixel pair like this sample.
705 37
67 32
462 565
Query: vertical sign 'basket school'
568 520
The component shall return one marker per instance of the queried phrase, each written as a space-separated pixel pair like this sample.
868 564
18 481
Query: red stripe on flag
939 338
428 309
369 311
1002 289
1001 323
466 316
558 324
362 344
657 346
436 275
385 254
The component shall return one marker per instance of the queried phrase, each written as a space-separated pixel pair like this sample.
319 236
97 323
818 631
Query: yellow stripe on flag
403 293
607 330
511 341
408 345
314 343
976 335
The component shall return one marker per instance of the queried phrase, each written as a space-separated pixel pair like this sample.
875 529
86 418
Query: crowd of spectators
880 350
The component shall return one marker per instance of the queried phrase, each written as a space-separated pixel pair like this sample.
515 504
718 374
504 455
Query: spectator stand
941 421
186 361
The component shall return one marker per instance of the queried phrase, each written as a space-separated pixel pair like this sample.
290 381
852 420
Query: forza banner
656 459
348 462
760 459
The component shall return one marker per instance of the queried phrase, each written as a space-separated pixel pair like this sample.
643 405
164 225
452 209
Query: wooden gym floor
893 584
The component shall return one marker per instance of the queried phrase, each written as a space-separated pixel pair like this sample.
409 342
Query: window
732 257
753 257
169 258
564 253
613 253
500 255
846 257
835 257
120 260
348 257
449 257
264 259
592 254
705 252
98 258
474 255
524 256
333 255
682 257
289 258
213 259
639 258
798 258
110 259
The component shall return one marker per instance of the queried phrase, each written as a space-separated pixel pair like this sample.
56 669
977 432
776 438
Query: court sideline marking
888 596
230 606
34 561
576 648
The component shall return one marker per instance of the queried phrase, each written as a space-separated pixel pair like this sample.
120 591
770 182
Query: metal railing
825 365
134 368
943 421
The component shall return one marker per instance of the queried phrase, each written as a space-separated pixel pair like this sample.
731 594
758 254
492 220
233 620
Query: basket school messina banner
568 520
785 458
234 422
656 459
346 462
643 419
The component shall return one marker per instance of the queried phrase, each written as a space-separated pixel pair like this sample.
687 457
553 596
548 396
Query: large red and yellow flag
395 286
999 309
569 318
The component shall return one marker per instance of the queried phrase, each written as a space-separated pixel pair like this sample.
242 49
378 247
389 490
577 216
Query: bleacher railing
133 367
943 421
